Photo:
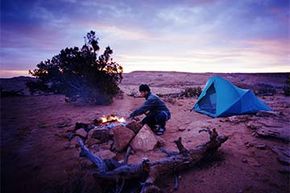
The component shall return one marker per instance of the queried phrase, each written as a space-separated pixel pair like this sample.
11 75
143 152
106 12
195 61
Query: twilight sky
177 35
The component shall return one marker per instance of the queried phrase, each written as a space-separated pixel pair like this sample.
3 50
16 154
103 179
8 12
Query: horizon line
24 73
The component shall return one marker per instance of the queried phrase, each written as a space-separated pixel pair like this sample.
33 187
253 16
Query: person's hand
129 118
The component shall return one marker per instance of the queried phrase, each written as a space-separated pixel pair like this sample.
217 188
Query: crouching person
155 110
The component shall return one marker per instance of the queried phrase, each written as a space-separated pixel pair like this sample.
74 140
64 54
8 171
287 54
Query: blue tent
220 98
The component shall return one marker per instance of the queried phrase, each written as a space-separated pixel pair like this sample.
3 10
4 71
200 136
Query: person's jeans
159 118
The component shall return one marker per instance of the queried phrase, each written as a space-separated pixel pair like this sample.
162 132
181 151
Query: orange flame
112 118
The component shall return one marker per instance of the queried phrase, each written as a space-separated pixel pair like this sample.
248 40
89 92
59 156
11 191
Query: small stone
69 129
261 146
181 129
248 144
91 132
92 141
257 165
42 125
75 141
82 133
244 160
70 135
64 123
160 141
103 135
283 154
284 170
67 145
106 154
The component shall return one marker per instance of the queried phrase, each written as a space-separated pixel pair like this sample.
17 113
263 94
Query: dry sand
36 158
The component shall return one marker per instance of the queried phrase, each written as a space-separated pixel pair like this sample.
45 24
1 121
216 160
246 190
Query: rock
74 142
122 137
70 135
266 114
64 123
103 135
69 129
284 170
82 133
145 140
248 144
92 141
271 127
106 154
181 129
283 154
108 145
261 146
134 126
232 118
237 119
68 145
79 125
251 161
42 125
160 141
90 133
244 160
276 132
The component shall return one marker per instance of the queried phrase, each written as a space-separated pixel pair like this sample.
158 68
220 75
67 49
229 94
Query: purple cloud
190 33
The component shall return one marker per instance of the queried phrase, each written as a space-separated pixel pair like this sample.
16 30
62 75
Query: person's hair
144 87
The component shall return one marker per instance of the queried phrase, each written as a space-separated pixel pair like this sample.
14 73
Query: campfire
110 121
112 118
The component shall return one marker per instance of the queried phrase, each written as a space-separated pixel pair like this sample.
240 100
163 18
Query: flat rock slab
145 140
82 133
285 170
270 127
283 154
274 132
122 137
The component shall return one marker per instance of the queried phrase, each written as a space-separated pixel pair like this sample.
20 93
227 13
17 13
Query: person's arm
144 108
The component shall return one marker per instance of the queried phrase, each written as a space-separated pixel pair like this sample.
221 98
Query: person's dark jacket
153 104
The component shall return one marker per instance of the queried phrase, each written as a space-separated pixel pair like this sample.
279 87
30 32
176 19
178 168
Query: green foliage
286 87
80 74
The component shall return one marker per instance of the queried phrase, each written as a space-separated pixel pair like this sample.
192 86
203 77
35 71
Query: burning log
148 172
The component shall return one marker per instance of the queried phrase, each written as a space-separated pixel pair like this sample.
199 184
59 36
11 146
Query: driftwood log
148 172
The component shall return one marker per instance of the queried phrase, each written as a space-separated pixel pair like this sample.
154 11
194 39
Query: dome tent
221 98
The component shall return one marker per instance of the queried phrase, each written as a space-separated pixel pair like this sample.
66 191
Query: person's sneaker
160 130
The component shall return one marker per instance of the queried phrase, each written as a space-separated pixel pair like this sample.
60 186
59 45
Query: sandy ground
36 158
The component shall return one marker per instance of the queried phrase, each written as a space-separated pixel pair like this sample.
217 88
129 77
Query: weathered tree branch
149 172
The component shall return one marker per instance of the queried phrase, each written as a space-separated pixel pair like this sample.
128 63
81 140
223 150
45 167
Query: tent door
208 102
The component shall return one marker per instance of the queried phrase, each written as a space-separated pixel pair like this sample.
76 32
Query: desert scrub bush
80 74
191 92
263 89
286 87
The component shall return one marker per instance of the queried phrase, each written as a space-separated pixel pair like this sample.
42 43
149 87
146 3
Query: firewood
148 172
99 162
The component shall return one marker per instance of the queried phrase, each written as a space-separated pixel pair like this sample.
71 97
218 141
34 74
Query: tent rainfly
221 98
